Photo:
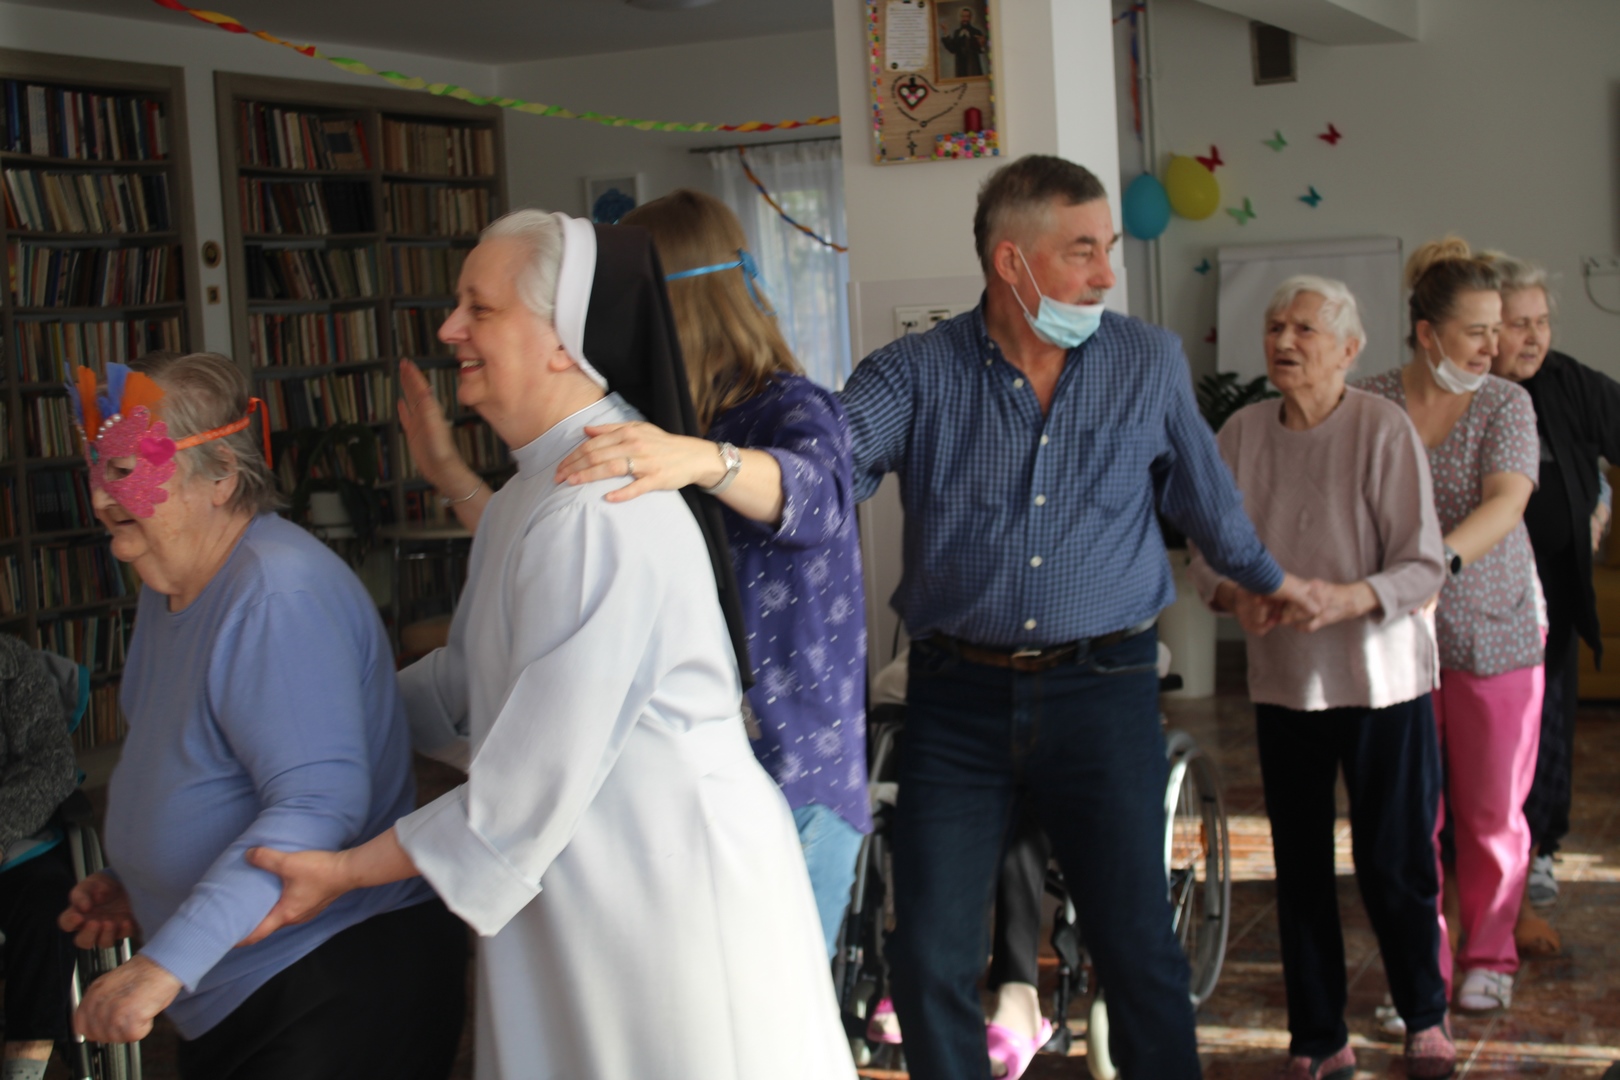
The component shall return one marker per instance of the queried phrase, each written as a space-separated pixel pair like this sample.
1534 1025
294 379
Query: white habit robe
634 876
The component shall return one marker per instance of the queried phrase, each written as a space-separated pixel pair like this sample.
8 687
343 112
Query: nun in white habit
634 876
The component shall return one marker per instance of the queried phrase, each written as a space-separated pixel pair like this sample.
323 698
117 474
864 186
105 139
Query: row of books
53 122
50 351
60 499
443 381
8 506
416 331
424 508
478 445
93 277
99 642
311 273
103 720
438 149
336 463
80 573
51 431
312 337
426 585
5 448
306 207
87 202
435 209
286 139
426 271
365 397
12 599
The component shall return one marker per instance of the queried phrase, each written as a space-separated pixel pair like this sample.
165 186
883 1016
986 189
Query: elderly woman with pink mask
1480 433
1577 420
262 710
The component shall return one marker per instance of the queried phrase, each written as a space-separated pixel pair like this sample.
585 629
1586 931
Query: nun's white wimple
574 290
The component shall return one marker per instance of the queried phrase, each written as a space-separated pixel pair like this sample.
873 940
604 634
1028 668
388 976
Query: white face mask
1454 379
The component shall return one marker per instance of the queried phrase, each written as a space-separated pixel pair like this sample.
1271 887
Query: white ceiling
488 31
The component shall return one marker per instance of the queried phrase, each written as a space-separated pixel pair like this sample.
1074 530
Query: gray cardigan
37 769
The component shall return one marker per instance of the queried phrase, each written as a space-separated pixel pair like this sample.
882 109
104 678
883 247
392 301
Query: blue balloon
1145 207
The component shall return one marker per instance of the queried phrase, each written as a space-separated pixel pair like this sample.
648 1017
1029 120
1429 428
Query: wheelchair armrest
75 809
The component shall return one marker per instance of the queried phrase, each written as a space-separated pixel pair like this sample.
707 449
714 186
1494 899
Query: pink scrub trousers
1488 727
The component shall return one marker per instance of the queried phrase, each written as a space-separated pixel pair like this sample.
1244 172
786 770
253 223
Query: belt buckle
1027 653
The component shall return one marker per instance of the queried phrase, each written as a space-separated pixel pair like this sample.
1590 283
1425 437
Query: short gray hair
203 391
1340 314
542 238
1018 199
1520 274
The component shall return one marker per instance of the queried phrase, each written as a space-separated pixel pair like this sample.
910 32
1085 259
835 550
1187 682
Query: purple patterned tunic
803 602
1488 620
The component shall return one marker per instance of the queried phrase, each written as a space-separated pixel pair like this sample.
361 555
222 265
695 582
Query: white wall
201 50
784 77
1501 124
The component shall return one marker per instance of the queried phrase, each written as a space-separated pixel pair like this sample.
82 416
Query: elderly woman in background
1338 488
1480 433
262 710
37 772
1577 420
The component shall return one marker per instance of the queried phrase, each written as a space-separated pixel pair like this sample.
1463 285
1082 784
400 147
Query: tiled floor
1565 1020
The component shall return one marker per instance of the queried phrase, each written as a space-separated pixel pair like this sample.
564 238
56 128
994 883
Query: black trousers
385 998
1015 944
39 957
1546 808
1391 763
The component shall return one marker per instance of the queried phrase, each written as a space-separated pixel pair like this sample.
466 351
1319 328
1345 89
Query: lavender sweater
1348 500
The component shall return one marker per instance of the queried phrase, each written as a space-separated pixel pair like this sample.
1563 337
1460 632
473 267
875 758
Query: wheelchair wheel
98 1061
1198 862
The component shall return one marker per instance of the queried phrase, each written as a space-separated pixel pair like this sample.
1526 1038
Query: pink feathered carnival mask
123 425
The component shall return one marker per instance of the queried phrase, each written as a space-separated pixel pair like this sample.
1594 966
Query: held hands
1304 605
659 460
310 881
120 1006
98 915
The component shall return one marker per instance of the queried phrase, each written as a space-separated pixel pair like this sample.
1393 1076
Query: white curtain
807 281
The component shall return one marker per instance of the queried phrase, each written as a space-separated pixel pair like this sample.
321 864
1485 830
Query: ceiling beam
1334 22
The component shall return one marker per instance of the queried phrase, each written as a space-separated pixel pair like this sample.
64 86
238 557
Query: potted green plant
335 474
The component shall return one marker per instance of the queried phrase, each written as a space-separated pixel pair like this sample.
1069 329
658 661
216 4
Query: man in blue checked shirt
1035 437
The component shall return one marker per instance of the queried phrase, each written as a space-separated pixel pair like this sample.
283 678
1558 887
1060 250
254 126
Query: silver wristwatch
1454 562
733 460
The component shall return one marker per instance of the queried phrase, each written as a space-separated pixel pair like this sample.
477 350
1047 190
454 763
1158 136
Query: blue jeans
1082 743
830 846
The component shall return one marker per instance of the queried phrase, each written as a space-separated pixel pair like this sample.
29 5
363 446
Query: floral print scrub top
804 608
1489 618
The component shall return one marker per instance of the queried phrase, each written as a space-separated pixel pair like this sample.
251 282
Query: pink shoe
884 1026
1013 1050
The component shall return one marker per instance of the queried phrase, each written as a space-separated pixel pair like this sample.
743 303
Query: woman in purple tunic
776 456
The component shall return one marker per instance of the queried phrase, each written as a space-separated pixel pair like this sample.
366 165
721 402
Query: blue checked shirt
1029 530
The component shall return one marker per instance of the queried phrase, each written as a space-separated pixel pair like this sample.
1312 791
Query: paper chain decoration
742 157
411 82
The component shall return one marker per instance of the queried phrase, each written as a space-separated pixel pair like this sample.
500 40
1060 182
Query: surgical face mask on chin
1454 379
1067 326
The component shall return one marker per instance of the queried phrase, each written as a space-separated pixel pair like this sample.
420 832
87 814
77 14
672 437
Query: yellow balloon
1194 192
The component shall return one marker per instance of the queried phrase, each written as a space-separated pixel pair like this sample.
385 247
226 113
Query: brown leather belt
1032 659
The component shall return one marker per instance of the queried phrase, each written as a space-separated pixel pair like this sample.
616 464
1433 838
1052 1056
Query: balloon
1145 207
1194 191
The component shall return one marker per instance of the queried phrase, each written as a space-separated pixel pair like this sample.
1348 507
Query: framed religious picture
932 79
963 30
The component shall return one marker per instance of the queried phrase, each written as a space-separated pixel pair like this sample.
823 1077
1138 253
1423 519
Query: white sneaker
1484 990
1389 1020
1543 889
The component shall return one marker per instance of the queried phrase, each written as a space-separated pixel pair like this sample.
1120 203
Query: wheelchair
72 824
1198 876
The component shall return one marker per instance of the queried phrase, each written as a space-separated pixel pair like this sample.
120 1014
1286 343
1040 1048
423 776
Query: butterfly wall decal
1213 161
1311 199
1243 213
1331 136
1202 268
1276 142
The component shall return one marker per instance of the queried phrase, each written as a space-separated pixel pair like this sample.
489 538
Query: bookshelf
348 212
100 250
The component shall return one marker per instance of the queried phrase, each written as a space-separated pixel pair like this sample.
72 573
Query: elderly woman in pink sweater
1337 484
